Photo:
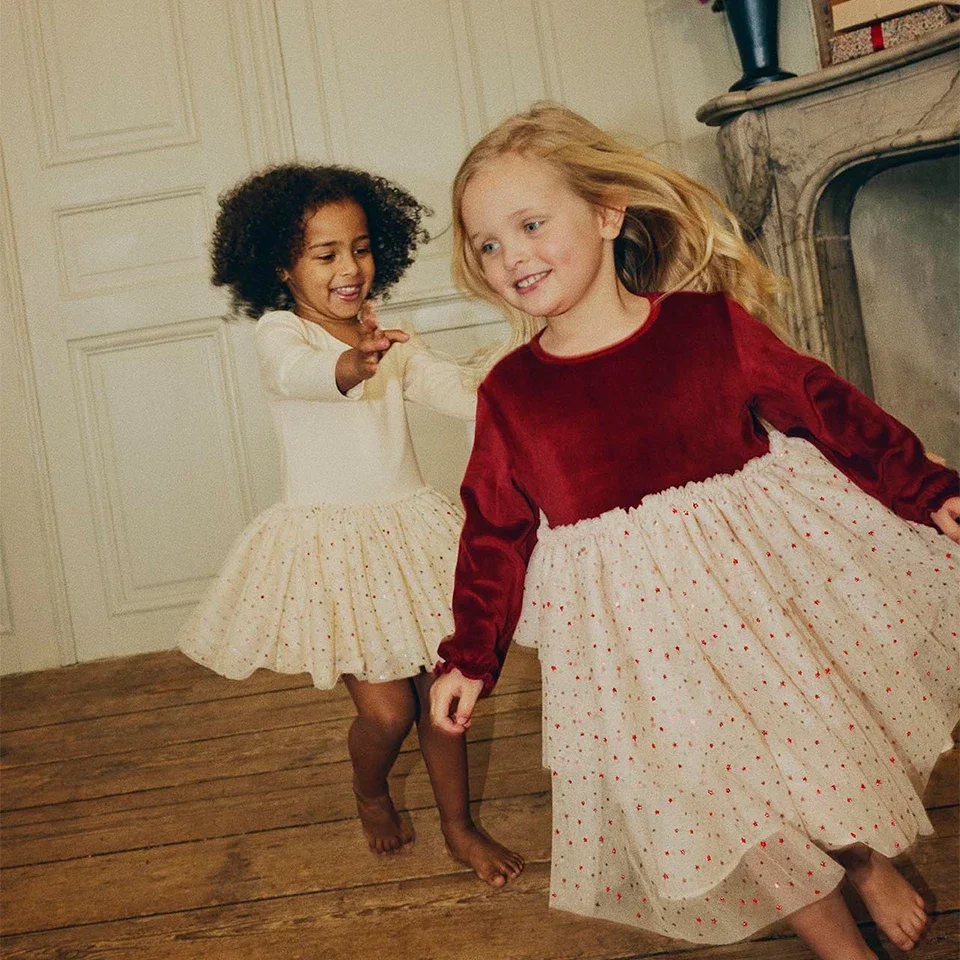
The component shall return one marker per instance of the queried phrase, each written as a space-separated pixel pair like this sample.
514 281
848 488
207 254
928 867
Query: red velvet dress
748 641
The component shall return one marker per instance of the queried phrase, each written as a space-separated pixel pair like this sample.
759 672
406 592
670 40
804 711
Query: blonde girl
747 637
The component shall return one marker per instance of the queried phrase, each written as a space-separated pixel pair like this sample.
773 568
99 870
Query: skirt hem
740 676
245 674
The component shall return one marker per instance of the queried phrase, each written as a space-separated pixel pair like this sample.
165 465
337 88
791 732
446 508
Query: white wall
136 444
697 60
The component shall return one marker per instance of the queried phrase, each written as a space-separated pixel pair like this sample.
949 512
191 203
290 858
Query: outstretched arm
438 383
803 397
292 367
362 361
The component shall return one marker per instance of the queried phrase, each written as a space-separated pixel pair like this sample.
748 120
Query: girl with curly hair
748 637
350 574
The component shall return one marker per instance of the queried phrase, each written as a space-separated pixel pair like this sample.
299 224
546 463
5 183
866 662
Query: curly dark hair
261 224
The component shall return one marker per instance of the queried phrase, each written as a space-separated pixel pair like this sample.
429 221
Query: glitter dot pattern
359 590
352 572
738 675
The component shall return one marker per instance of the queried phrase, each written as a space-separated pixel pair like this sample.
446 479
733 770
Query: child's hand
946 519
374 343
453 686
361 362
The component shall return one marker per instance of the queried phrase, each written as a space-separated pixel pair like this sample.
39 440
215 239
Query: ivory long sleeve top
353 448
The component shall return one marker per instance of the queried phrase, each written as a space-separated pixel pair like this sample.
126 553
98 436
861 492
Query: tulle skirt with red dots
327 590
739 675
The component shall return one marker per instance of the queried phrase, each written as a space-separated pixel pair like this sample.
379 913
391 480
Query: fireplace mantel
796 152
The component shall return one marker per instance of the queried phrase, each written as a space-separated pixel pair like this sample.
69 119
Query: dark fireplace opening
904 231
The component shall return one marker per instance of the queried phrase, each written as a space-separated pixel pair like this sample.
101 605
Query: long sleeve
292 367
803 397
499 534
436 382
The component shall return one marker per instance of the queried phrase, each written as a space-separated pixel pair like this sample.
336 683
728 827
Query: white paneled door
121 121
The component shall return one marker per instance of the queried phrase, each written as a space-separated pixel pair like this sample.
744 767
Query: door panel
136 121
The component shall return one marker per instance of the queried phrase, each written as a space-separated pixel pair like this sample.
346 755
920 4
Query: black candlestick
754 26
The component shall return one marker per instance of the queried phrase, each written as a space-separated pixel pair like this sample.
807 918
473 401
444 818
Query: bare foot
382 826
827 927
491 862
896 908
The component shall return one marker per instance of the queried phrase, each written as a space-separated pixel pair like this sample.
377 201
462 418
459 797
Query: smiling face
335 271
540 246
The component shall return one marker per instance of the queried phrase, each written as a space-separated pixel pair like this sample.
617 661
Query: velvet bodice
680 400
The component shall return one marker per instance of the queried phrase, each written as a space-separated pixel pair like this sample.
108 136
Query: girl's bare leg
385 715
897 909
827 927
446 758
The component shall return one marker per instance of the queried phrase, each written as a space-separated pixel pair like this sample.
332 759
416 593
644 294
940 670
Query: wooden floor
152 810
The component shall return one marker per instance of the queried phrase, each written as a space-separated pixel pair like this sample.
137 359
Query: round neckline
313 325
652 298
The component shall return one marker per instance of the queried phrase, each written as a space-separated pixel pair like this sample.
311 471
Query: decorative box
889 33
855 13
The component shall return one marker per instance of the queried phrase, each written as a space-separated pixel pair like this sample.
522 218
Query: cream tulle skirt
328 590
738 675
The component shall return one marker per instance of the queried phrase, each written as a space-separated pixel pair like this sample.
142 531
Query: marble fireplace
797 152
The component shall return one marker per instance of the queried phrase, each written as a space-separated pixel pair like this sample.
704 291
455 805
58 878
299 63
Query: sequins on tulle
738 676
328 590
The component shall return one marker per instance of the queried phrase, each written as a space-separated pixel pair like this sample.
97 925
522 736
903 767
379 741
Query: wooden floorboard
154 810
232 806
441 917
126 685
259 751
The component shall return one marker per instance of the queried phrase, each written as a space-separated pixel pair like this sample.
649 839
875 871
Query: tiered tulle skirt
327 590
738 676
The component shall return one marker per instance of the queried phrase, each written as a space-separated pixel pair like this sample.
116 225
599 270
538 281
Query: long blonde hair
677 234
